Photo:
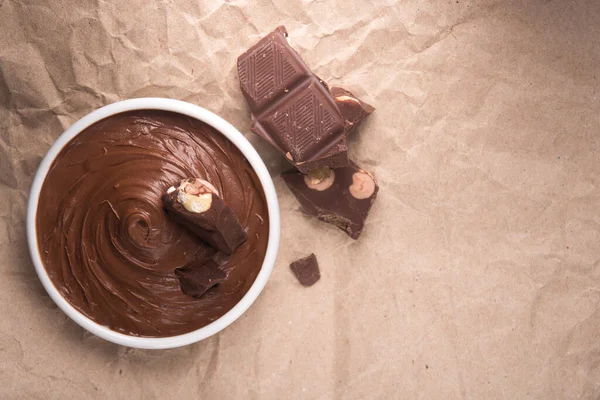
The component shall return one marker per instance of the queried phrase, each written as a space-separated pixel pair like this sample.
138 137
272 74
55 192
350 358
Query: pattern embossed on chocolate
109 247
306 270
291 107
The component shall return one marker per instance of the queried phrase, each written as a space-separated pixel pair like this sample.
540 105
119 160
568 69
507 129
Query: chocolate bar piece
291 107
341 196
197 277
306 270
352 108
196 204
269 69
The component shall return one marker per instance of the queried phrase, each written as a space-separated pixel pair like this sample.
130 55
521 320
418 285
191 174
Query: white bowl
238 140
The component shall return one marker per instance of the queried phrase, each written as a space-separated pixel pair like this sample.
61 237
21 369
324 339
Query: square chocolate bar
291 107
306 124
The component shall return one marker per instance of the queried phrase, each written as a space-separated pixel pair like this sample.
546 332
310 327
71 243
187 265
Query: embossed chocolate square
269 69
306 125
291 107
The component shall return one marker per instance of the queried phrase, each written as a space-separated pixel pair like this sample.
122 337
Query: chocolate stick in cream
196 204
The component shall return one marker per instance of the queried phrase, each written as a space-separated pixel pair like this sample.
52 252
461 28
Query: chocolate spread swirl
106 241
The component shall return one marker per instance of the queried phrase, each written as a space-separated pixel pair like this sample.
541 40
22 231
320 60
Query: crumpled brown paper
477 275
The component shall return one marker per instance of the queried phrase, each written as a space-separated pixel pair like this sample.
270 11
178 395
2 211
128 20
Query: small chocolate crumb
306 270
197 277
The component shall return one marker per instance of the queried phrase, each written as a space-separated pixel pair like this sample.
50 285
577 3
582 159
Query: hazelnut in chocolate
196 204
342 196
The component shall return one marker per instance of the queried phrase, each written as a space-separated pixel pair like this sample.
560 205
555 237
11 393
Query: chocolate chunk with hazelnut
196 204
341 196
353 109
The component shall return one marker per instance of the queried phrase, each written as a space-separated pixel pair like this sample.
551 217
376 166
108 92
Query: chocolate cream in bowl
106 242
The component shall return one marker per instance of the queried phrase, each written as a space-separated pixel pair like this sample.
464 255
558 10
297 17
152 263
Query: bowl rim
231 133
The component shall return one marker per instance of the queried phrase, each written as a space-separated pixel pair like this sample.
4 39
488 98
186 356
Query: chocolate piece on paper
197 277
342 196
306 270
306 126
270 69
352 108
195 204
291 107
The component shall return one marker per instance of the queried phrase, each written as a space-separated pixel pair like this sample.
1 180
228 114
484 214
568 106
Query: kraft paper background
478 273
